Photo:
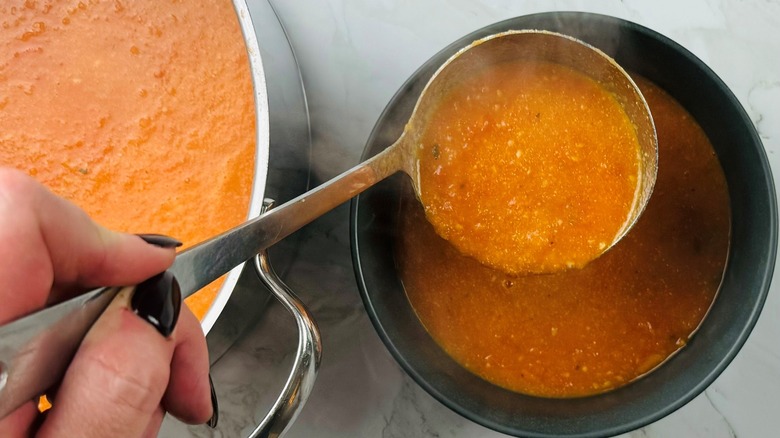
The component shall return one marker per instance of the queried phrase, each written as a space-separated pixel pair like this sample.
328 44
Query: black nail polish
212 423
160 240
158 301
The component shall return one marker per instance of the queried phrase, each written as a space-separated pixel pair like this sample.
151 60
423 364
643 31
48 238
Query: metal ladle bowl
535 45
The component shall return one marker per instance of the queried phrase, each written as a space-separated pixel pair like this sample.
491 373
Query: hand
126 375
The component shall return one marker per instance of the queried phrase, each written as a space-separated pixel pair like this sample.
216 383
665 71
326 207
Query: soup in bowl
732 218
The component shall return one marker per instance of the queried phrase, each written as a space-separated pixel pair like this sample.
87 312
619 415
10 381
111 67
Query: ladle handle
35 351
207 261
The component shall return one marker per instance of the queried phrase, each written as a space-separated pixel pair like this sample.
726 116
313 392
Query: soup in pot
141 112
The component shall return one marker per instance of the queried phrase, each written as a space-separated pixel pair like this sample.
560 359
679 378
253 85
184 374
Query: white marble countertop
353 56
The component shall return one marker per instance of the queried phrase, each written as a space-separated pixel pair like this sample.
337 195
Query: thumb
115 382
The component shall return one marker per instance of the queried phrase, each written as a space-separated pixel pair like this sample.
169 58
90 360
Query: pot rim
262 147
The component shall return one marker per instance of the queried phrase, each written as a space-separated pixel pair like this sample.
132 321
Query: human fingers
188 396
53 245
117 379
153 428
19 422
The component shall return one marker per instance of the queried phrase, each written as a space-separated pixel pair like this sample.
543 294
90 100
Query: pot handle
307 359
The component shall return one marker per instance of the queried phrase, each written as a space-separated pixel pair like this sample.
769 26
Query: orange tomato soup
141 112
584 331
529 166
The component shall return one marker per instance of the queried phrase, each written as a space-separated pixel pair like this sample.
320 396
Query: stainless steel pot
36 349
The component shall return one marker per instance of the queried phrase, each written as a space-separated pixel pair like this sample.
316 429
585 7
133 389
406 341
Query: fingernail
158 301
160 240
212 423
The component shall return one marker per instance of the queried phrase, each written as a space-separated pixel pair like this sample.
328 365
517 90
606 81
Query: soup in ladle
529 166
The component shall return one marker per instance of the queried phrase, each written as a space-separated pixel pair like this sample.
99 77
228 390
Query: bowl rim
764 274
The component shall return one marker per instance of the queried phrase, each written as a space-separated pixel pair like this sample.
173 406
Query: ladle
45 342
198 266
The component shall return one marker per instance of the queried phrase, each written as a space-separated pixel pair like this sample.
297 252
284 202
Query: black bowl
723 332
